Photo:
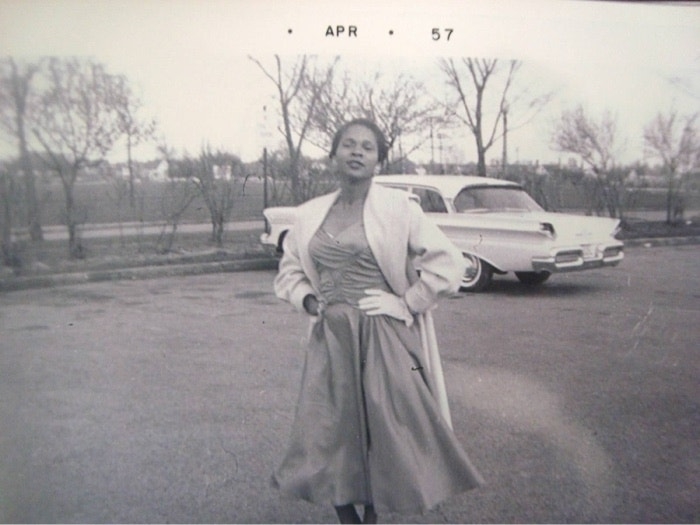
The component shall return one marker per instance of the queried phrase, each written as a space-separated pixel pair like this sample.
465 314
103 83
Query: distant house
157 172
222 172
541 170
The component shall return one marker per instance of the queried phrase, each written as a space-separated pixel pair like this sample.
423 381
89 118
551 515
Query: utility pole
401 169
264 177
265 133
504 159
442 165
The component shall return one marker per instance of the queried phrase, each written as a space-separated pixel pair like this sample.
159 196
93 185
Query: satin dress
367 428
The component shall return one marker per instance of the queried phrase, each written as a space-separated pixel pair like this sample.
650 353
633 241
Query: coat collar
386 227
314 213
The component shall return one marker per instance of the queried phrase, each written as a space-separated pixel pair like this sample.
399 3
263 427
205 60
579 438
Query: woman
368 429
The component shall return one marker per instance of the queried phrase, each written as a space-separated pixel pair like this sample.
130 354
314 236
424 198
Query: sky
189 62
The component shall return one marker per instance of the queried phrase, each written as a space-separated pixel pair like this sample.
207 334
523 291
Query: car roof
448 185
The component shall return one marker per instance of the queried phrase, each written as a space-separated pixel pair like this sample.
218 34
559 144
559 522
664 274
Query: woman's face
357 154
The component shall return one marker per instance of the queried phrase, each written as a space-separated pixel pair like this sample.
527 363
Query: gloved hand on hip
379 302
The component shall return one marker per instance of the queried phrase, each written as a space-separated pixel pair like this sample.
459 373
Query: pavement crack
234 456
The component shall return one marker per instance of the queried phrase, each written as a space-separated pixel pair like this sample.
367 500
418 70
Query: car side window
430 200
466 201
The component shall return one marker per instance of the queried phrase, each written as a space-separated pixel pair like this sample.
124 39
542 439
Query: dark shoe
347 514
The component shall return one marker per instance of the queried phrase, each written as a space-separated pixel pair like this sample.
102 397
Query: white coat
397 231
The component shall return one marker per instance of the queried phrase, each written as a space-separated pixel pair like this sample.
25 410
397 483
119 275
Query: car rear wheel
477 274
532 278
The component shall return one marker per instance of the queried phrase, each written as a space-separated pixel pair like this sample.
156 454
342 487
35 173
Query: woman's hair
382 146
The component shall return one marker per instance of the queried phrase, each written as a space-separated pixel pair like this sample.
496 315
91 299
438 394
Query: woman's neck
352 191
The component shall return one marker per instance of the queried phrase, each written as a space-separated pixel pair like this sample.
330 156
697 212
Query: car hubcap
473 268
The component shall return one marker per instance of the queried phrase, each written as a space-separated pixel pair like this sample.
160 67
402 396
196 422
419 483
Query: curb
660 241
142 272
235 265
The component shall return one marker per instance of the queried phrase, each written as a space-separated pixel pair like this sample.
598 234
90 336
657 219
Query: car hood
576 228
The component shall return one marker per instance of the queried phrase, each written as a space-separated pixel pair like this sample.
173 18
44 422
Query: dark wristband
307 303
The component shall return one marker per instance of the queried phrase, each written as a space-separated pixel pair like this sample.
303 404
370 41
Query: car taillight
614 251
568 256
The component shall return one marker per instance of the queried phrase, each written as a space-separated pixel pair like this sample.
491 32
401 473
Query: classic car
498 228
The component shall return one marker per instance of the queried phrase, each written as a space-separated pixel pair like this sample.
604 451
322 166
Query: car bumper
579 258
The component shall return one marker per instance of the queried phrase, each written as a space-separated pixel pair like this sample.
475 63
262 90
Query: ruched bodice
345 265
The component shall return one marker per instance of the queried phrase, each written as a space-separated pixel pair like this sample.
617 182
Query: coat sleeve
441 262
291 283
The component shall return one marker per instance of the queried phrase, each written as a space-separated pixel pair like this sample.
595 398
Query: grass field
114 252
97 202
98 205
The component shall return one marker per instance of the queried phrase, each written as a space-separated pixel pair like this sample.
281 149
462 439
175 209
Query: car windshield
489 198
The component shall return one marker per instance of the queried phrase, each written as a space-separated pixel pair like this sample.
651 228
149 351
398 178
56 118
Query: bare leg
347 514
370 514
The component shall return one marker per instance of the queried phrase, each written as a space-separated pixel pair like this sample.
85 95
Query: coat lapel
315 212
386 228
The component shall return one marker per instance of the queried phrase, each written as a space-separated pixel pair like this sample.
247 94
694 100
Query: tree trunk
130 163
294 176
504 156
480 152
669 201
33 213
75 249
20 92
72 229
481 163
6 226
218 236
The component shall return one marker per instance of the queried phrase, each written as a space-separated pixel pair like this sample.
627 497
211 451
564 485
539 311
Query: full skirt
367 428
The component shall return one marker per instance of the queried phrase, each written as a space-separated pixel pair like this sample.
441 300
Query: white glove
379 302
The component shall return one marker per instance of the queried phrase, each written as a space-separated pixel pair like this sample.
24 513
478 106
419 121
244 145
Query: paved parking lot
170 400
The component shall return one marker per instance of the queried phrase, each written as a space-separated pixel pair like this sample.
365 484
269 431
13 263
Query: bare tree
133 126
337 104
675 141
214 174
596 144
479 74
402 109
300 88
118 192
175 199
76 125
15 92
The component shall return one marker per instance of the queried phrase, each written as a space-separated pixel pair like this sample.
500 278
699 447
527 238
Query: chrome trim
581 262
